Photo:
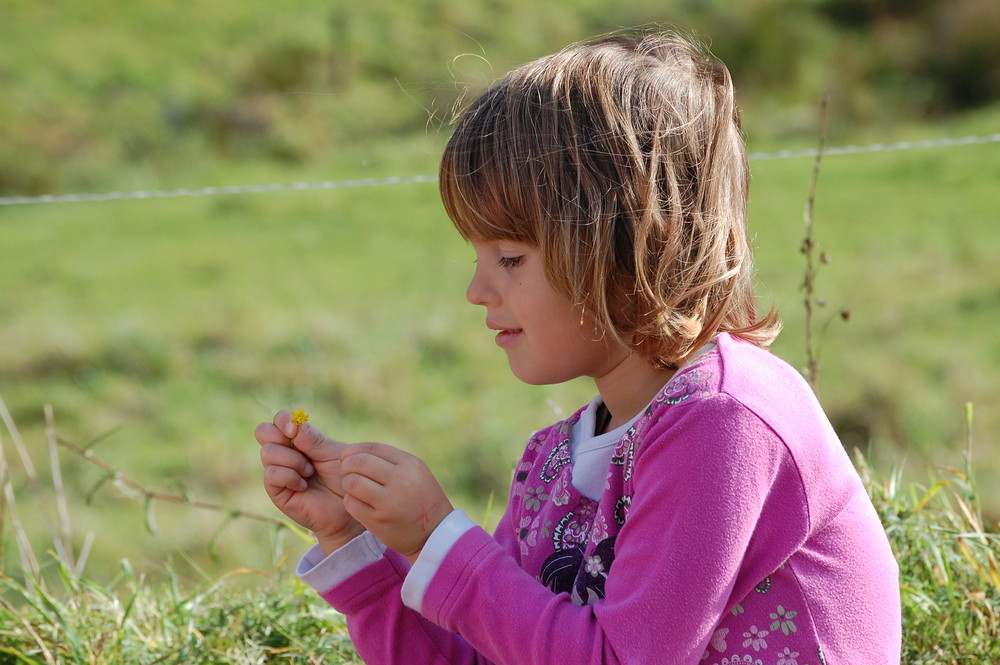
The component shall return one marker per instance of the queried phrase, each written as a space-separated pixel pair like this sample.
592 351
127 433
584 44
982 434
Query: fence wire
407 180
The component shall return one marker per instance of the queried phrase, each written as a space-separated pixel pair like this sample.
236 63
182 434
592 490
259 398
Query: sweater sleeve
442 539
386 632
704 478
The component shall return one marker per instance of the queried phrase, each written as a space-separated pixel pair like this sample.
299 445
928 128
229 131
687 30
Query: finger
383 451
273 454
359 510
283 421
363 489
374 468
315 445
269 433
278 478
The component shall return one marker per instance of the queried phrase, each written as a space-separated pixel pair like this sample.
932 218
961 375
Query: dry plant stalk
127 483
8 508
809 247
22 451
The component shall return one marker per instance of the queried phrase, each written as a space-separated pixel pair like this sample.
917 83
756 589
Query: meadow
160 332
157 333
165 330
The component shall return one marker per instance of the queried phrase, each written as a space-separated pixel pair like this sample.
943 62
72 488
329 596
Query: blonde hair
622 161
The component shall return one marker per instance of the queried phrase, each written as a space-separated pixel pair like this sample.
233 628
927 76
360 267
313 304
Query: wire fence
415 179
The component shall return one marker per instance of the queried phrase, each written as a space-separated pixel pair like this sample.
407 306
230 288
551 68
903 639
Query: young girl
701 508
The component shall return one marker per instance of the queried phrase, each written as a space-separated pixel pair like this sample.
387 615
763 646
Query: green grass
177 327
948 562
162 331
135 621
949 581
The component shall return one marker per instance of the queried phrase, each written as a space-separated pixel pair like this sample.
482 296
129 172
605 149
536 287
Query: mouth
505 336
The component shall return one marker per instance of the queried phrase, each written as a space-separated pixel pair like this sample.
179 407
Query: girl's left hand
393 494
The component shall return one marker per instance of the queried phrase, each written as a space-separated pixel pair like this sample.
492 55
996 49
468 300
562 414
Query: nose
478 290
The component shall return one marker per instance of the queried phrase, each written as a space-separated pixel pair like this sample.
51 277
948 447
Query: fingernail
309 469
303 484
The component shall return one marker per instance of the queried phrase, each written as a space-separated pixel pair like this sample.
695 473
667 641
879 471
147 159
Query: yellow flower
299 416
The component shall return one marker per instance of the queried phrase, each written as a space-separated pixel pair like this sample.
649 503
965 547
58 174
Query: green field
167 329
161 331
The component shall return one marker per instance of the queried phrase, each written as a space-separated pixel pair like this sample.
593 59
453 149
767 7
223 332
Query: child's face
546 338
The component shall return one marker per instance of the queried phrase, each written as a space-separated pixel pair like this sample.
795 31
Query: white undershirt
591 454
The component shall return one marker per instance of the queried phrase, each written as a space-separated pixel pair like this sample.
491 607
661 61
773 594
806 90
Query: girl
701 508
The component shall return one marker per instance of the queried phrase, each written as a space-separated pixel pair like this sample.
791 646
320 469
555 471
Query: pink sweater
733 528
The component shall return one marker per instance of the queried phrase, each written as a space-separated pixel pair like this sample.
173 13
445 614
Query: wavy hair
622 160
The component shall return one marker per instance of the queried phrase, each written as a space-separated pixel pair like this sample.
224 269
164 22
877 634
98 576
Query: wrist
331 543
434 520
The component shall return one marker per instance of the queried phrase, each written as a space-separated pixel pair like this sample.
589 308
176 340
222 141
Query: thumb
315 445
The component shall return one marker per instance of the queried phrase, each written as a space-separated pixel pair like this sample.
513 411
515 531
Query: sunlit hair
622 161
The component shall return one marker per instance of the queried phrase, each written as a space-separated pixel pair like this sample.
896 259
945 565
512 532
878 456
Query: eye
510 261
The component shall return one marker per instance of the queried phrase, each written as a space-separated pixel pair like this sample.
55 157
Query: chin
536 377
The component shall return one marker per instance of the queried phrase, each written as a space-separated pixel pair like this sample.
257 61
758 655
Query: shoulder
747 373
762 381
742 410
702 392
738 380
777 394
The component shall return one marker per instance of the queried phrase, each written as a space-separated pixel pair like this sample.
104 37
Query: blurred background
160 331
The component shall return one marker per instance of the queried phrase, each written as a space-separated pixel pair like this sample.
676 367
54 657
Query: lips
504 336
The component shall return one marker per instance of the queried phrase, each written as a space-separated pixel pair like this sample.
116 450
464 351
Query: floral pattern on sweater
579 534
582 531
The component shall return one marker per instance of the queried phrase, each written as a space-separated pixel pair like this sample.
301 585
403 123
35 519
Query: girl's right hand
302 477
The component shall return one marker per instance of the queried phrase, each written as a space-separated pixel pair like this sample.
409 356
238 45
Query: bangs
483 174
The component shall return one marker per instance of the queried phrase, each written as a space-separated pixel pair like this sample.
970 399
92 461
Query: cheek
567 340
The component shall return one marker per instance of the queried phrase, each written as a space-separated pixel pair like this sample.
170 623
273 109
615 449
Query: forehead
488 204
502 246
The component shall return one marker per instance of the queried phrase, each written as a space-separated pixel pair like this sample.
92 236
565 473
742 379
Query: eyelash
510 261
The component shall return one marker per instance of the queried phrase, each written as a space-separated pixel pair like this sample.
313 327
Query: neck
629 387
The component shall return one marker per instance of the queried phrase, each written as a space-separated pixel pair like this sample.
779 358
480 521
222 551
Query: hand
393 494
303 478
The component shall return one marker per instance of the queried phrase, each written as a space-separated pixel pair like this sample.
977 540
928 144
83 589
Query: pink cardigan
733 529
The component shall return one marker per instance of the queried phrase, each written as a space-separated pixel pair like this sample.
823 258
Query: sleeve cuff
447 533
324 573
